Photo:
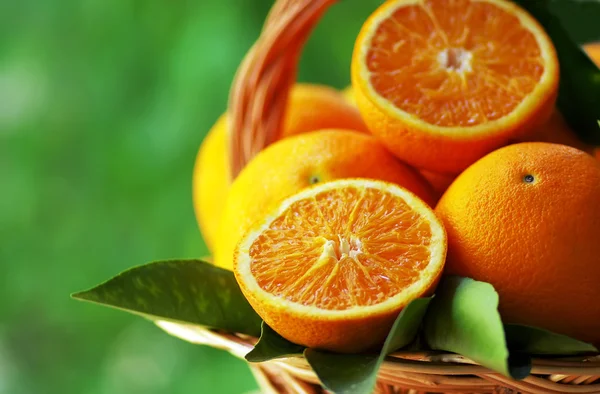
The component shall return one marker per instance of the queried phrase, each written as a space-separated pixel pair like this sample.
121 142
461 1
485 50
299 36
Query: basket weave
408 372
257 103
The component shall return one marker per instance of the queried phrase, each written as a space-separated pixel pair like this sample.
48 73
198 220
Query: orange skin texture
536 243
310 107
287 167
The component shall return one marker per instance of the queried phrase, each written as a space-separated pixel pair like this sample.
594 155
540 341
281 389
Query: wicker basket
256 106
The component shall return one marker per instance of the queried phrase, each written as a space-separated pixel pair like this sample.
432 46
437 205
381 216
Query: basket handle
258 95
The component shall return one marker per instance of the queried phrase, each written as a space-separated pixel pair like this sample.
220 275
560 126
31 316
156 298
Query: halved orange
333 265
443 82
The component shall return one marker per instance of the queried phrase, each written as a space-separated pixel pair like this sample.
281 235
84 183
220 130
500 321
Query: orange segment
338 258
465 75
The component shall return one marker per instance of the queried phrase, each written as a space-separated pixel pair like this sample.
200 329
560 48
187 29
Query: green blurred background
103 105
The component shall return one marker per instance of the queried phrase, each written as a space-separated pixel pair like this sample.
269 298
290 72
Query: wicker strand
258 96
419 371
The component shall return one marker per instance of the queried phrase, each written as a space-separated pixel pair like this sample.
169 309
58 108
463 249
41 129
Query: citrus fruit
439 182
526 219
593 51
210 181
557 131
314 107
292 164
348 94
310 107
333 265
442 83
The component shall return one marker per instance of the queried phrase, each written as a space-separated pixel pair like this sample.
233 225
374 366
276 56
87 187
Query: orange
439 182
310 107
526 218
314 107
442 83
557 131
332 266
294 163
348 94
593 51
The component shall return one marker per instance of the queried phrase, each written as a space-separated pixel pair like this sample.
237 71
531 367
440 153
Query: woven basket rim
421 369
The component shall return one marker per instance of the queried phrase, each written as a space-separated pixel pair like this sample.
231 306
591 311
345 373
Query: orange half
333 265
443 82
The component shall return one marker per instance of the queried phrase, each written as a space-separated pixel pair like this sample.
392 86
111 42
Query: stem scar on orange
333 265
526 218
444 82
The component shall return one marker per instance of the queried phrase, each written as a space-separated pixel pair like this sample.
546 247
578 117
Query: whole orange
526 218
310 107
294 163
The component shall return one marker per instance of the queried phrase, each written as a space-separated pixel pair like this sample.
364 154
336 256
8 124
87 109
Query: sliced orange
443 82
333 265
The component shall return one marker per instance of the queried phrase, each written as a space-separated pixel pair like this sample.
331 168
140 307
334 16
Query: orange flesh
346 254
454 63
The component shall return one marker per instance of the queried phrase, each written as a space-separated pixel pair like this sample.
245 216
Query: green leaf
463 318
537 341
579 91
188 291
345 373
357 373
579 17
272 345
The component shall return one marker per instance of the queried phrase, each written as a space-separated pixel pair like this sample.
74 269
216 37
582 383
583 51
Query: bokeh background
103 105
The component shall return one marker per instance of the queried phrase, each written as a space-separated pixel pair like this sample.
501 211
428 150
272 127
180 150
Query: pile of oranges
446 155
